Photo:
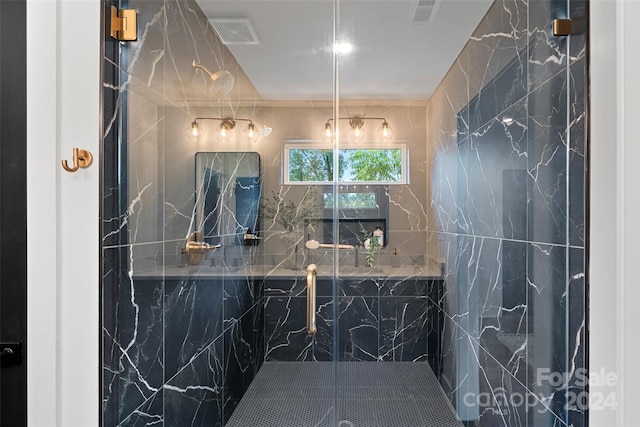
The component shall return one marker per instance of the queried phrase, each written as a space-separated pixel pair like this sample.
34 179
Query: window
352 200
313 164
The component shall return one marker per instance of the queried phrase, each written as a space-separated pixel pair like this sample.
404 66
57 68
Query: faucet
195 248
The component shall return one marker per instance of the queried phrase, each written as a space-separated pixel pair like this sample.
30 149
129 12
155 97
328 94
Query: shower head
265 131
219 82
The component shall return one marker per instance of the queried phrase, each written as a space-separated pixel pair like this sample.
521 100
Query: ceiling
393 58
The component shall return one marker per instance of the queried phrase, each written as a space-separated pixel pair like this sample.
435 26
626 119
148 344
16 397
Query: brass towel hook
81 159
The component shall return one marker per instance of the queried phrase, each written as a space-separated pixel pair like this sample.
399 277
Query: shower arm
212 76
197 66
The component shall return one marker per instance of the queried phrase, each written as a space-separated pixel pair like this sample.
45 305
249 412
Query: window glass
352 201
312 163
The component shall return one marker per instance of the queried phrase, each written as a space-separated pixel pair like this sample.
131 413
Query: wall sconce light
227 126
357 131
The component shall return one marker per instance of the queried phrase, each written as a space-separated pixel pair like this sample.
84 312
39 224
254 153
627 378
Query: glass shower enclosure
344 213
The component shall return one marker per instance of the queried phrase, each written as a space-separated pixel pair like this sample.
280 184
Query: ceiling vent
424 11
234 31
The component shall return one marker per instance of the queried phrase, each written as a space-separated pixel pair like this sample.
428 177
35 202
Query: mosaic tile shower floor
372 394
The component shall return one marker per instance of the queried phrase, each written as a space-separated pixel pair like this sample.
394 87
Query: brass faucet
195 248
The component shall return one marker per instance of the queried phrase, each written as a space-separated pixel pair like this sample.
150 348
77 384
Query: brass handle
312 272
81 159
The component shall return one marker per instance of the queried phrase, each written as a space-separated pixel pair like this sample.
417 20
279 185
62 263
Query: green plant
290 214
372 251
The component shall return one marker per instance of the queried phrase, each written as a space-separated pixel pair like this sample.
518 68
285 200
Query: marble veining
508 186
382 319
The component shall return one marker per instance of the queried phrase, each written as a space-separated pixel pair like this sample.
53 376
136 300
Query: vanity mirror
228 187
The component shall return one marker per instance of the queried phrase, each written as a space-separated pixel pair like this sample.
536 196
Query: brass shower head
219 82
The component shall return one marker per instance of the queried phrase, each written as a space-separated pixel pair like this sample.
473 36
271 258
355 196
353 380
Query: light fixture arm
357 122
226 121
358 118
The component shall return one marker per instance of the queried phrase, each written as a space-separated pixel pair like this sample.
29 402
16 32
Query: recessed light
343 48
507 120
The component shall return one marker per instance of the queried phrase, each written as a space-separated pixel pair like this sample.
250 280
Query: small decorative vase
290 248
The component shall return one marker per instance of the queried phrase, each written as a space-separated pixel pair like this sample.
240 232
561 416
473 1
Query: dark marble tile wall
509 131
184 338
379 319
178 348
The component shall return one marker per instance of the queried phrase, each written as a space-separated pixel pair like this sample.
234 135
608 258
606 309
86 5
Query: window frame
367 145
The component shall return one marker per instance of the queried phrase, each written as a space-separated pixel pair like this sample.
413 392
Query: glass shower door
424 158
388 319
462 312
207 235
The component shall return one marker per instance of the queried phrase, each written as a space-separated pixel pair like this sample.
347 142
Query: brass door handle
81 159
312 272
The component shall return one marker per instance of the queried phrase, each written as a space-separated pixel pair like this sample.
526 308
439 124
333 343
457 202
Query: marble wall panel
577 152
547 162
113 197
140 339
403 326
195 394
150 413
497 163
576 337
193 319
510 208
379 319
547 53
163 322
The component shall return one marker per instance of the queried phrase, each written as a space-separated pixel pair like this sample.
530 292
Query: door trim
63 86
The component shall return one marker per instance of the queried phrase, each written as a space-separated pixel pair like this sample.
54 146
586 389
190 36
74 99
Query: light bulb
356 129
327 131
356 134
250 133
265 131
224 135
225 131
194 131
385 133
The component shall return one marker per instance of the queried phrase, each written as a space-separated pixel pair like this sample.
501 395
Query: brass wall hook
81 159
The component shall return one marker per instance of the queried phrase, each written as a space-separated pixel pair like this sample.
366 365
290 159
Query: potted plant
290 214
371 246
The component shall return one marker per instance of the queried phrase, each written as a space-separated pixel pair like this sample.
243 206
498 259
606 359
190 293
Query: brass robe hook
81 159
